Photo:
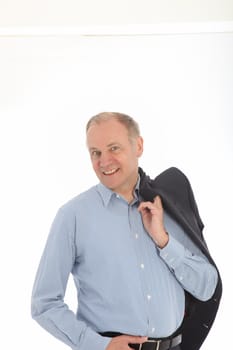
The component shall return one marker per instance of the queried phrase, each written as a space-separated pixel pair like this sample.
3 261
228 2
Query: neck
128 194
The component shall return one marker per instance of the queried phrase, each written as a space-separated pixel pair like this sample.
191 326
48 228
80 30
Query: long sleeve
48 307
191 268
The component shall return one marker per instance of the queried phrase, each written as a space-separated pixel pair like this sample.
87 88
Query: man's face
114 156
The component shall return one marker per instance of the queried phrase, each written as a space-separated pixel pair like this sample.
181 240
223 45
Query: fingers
122 342
156 204
134 339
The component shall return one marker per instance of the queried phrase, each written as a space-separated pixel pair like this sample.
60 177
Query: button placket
139 241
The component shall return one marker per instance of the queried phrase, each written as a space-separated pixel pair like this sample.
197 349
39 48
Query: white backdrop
180 90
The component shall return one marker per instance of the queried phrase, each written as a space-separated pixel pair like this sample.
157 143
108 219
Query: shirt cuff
93 340
173 253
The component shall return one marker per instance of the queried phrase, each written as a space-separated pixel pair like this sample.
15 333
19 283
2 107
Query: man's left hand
152 217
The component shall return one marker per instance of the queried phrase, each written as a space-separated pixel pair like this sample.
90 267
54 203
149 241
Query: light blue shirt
124 282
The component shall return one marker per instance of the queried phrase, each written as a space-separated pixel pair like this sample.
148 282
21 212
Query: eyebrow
109 145
113 143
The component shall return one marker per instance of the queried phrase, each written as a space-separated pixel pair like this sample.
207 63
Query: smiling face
114 155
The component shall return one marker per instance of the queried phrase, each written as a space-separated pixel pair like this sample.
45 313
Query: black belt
151 343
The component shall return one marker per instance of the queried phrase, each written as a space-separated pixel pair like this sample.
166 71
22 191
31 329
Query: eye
114 148
95 154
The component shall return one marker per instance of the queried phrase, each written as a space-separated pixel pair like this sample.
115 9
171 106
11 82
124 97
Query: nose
105 159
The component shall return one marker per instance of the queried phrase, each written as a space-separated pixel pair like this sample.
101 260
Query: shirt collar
106 193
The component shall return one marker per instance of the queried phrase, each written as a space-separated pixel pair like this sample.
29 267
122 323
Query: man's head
115 144
130 124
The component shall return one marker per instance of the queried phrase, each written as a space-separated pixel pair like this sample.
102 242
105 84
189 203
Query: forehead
106 132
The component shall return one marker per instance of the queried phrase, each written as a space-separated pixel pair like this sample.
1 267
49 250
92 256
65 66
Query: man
129 257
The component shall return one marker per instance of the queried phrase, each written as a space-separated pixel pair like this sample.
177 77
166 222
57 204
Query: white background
179 87
111 12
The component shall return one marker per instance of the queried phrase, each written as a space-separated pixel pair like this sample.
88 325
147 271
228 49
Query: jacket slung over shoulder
178 199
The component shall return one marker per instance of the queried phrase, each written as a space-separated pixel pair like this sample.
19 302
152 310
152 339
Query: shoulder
172 172
80 202
172 181
172 177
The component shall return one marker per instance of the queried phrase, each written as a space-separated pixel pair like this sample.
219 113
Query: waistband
152 343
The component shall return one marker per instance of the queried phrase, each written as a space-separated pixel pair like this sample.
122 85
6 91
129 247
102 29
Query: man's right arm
48 307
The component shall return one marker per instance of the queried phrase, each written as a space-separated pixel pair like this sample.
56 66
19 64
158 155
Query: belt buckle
152 341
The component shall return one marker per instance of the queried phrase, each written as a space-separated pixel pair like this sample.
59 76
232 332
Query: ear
139 146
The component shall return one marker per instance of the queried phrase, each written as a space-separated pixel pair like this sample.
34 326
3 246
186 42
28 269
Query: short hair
130 124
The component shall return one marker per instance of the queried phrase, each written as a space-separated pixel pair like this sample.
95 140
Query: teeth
110 172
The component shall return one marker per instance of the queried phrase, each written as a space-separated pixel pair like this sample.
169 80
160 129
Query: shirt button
136 235
149 297
142 266
153 329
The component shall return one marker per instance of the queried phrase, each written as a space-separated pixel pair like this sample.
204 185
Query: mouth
110 172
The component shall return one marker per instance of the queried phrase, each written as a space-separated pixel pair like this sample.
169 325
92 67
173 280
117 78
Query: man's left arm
194 272
191 268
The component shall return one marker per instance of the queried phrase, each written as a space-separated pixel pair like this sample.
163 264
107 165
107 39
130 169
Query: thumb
136 340
158 202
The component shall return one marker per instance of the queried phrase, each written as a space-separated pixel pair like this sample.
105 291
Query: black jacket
178 200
